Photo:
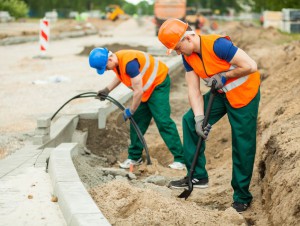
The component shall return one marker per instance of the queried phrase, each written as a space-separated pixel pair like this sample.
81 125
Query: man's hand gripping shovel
186 193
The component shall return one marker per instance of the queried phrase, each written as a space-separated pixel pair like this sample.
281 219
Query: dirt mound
112 47
30 27
247 36
129 204
279 157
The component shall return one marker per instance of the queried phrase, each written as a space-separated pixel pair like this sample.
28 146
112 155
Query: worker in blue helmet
150 82
98 59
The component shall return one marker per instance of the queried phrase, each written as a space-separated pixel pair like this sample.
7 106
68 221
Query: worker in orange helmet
216 58
150 82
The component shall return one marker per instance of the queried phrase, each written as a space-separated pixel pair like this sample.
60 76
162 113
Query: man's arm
107 89
194 93
113 84
245 65
137 86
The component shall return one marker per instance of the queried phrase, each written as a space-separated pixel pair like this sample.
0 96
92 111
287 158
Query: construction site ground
32 87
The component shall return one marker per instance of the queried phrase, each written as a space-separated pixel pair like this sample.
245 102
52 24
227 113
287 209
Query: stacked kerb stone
42 132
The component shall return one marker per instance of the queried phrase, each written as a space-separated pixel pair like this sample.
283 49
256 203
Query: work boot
177 165
240 207
183 183
126 164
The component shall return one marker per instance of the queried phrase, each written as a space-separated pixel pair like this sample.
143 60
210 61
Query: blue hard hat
98 59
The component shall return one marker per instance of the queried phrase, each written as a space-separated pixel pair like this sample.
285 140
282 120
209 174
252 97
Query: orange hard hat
171 32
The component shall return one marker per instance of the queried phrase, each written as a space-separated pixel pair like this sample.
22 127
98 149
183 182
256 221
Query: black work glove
104 91
203 132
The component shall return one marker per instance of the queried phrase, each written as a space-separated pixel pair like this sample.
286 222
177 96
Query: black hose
121 107
133 123
82 95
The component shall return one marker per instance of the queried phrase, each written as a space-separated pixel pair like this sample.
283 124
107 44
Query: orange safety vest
153 71
239 91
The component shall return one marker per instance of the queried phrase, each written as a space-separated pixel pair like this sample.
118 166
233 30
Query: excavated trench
112 47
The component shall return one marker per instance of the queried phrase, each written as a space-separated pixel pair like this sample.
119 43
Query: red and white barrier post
44 36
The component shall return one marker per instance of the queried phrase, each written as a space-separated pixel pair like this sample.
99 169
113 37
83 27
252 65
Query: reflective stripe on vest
147 64
152 76
235 84
231 85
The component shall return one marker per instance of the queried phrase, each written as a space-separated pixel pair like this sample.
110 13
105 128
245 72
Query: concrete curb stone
77 206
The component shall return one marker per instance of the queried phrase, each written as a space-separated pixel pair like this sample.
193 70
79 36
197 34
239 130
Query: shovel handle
205 122
210 102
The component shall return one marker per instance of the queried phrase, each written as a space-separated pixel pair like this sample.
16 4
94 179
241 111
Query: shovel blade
185 194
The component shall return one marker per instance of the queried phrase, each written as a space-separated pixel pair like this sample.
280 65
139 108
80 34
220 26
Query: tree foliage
129 8
63 7
257 5
37 8
16 8
221 5
275 5
144 8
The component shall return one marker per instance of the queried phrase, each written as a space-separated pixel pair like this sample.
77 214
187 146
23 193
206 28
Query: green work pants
158 107
243 123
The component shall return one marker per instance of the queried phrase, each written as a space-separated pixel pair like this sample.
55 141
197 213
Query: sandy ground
276 181
32 203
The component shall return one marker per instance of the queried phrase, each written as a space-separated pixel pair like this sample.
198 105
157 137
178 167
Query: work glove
104 91
219 78
203 132
127 114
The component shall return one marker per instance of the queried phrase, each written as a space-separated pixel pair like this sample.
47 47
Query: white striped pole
44 36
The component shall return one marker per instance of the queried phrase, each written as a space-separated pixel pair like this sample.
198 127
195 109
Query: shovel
186 193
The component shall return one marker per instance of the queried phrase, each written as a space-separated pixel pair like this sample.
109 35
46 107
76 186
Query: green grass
287 37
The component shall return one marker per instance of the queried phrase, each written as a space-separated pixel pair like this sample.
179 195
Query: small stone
131 176
54 199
